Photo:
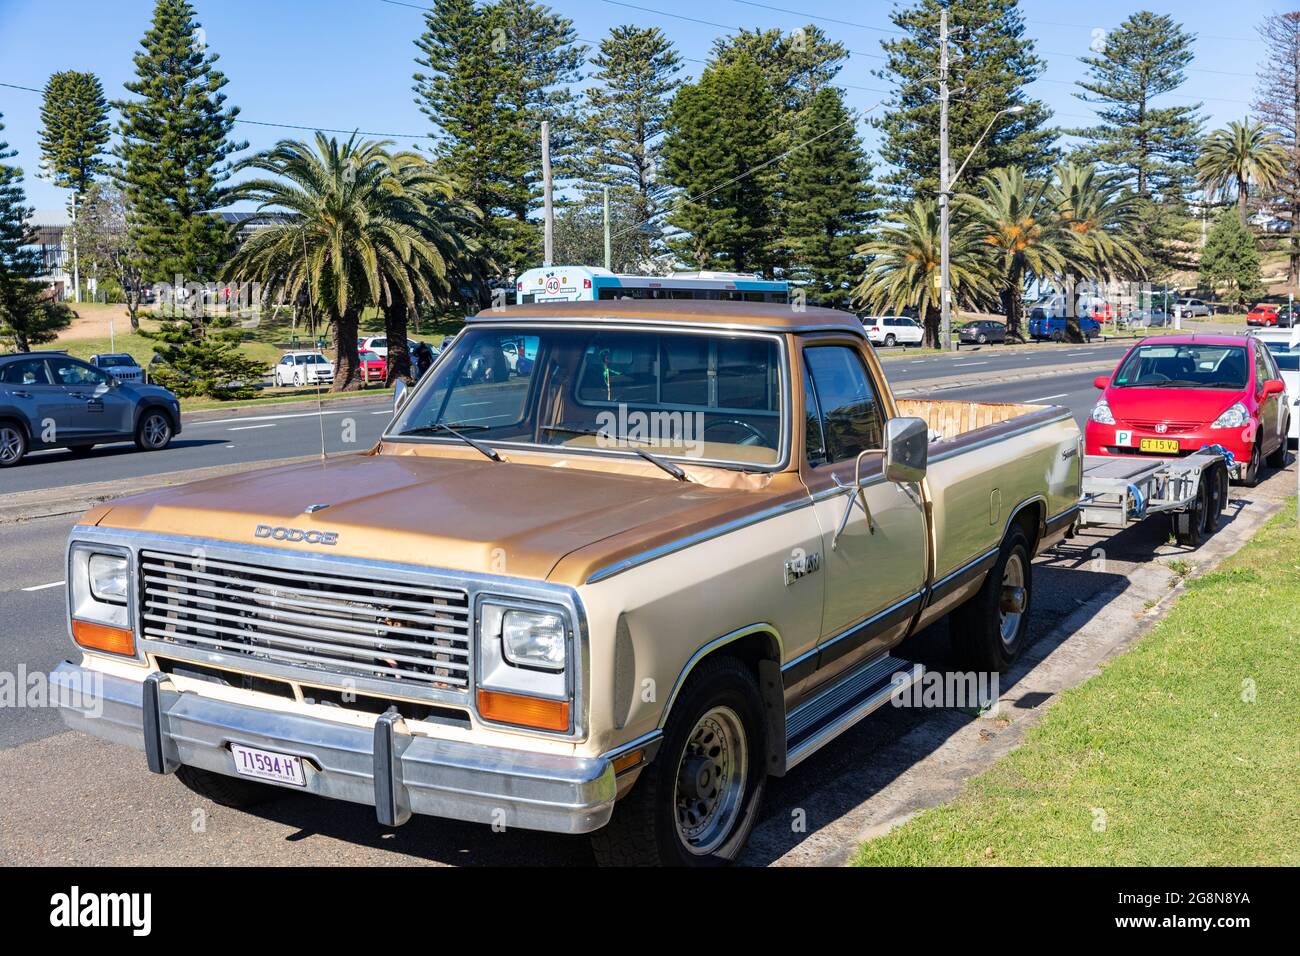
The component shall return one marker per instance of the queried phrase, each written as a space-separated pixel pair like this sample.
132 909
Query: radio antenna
311 313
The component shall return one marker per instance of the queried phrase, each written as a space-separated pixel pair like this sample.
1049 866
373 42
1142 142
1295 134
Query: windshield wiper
454 430
663 463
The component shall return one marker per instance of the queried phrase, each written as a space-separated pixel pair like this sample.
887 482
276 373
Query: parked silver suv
51 400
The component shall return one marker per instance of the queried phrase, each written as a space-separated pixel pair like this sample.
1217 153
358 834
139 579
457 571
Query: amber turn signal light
101 637
628 760
524 711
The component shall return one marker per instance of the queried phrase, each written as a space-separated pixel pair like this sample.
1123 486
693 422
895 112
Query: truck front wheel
989 631
695 805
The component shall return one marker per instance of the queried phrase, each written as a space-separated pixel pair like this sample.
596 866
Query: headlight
524 673
108 578
1235 416
99 587
534 639
1101 413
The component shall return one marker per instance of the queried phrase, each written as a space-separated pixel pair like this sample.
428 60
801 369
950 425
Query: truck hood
478 516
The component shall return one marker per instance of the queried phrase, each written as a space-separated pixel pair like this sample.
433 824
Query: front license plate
268 765
1161 446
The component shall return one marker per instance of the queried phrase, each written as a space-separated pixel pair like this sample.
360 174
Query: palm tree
1234 159
450 260
350 240
903 264
1020 226
1098 216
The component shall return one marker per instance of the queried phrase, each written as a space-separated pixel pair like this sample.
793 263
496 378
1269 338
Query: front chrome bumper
397 772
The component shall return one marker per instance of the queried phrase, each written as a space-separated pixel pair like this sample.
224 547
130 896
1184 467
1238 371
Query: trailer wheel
1189 525
1217 480
988 631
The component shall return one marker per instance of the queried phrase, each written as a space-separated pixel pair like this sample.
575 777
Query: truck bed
952 418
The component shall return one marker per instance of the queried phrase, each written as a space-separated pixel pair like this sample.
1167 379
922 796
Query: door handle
22 394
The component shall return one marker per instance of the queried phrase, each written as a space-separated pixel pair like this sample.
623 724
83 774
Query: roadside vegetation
1184 751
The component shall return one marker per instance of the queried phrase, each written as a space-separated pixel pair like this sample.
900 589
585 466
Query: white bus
588 284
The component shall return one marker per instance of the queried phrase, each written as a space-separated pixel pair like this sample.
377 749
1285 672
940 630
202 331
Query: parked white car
1284 350
303 368
891 330
1196 307
379 345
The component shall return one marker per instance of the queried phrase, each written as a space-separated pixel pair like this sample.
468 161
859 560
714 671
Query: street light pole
945 279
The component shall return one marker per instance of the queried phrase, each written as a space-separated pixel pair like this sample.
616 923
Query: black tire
1217 481
1189 525
226 791
976 628
644 829
13 444
1250 477
1277 457
154 430
891 340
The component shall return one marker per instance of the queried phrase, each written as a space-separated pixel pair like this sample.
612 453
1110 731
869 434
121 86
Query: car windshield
702 395
1187 365
108 361
1286 355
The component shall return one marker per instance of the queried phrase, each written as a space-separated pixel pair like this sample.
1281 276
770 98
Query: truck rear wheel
695 805
988 631
226 791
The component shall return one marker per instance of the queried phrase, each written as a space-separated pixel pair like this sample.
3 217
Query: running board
814 724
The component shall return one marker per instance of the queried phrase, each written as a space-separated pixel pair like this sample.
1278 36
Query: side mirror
907 449
399 395
1274 386
1101 381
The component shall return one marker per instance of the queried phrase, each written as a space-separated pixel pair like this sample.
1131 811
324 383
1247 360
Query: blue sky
347 63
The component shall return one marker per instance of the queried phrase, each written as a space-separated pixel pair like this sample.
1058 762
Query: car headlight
1101 413
1235 416
107 577
534 639
524 674
99 598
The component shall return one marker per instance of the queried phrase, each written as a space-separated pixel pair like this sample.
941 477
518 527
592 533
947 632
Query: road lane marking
276 418
384 412
967 364
44 587
246 428
1030 401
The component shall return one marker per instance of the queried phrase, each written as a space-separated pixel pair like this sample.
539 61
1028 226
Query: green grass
1188 744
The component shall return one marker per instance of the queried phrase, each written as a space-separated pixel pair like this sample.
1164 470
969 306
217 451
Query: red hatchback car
1171 396
1264 314
374 367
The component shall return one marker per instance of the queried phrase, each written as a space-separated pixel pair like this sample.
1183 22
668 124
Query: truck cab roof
760 316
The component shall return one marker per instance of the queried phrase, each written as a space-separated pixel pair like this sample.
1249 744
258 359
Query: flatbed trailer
1118 492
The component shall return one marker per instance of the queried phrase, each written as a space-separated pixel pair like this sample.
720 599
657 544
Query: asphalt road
257 436
996 362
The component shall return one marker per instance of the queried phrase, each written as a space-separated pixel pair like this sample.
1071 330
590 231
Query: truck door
875 558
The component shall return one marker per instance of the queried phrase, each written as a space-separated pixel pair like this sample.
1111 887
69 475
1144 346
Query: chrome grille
390 631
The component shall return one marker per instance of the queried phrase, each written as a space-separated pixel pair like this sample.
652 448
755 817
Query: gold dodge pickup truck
611 565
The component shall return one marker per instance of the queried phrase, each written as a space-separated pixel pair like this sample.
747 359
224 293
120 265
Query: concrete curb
74 499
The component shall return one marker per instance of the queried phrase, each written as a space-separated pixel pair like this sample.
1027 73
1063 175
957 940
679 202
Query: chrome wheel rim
11 445
711 778
156 430
1013 576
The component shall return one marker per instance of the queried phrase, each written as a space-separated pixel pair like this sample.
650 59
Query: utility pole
548 235
945 279
608 257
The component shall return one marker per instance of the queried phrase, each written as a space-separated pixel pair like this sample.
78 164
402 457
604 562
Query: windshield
706 396
108 361
1190 366
1286 355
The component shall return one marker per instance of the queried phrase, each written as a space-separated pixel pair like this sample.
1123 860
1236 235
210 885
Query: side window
29 372
851 417
1262 372
814 440
68 372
